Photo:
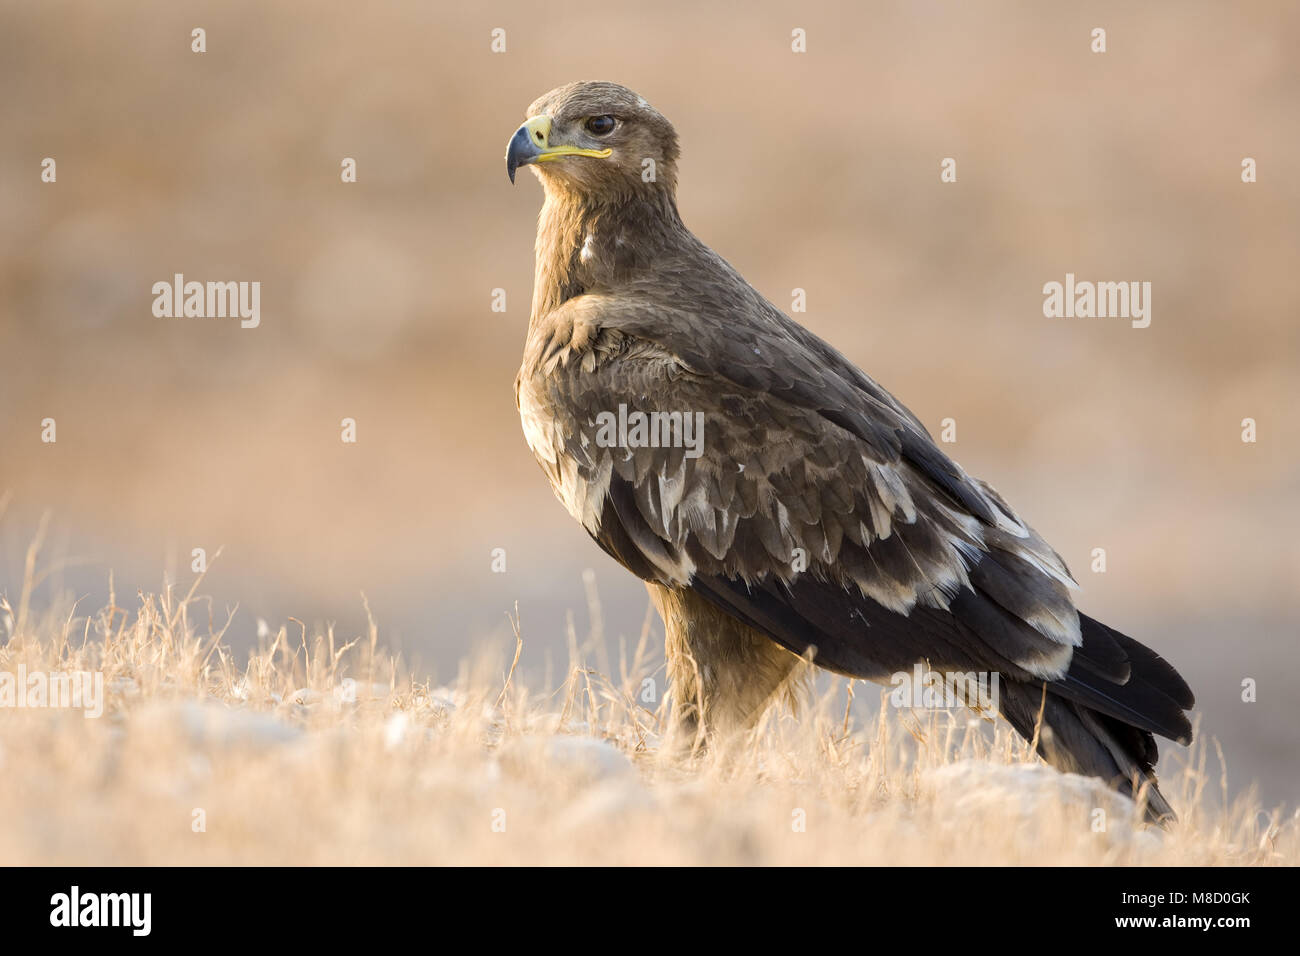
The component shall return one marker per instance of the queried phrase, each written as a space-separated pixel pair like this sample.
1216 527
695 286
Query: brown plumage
814 515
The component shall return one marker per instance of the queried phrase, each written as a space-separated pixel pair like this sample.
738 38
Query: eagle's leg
723 673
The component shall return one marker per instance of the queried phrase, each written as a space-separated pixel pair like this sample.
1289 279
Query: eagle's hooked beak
531 144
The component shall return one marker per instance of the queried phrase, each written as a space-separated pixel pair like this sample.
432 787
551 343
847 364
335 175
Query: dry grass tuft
316 751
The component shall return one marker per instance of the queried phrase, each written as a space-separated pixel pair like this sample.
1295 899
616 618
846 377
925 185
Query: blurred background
817 170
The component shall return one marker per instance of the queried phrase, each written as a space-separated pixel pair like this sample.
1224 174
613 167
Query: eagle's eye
600 125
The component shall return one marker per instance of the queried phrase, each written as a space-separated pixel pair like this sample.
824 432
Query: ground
310 750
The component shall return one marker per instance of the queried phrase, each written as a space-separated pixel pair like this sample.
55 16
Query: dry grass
289 766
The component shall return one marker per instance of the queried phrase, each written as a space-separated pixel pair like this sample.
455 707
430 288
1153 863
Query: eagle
780 505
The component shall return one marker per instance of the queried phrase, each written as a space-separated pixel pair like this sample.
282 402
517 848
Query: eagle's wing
818 510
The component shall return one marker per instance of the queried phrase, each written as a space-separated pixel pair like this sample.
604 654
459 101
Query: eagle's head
596 139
